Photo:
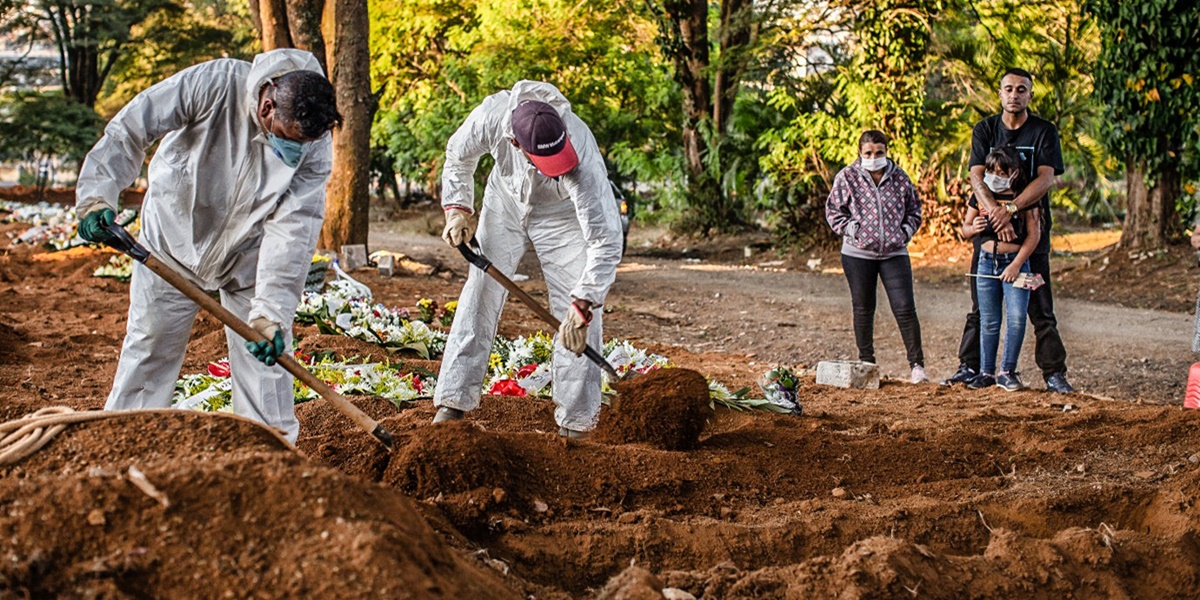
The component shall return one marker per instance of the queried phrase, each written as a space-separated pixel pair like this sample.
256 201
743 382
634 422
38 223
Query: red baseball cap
543 137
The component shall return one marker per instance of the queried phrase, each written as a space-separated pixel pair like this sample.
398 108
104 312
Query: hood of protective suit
535 90
270 65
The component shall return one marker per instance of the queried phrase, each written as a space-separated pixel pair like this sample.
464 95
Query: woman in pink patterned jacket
875 209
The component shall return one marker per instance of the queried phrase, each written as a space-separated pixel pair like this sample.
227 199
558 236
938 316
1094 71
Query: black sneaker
964 375
1009 381
980 381
1057 383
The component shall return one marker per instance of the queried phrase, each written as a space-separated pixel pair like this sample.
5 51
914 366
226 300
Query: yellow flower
451 305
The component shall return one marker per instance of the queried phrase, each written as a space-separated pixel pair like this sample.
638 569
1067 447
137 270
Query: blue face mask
290 152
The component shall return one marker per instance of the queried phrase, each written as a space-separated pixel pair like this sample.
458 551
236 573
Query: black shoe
1057 383
1009 381
982 380
964 375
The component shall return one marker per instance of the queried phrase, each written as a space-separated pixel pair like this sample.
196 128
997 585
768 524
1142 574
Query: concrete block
354 256
386 264
848 374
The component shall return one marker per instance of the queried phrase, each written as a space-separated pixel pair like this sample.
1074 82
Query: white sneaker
918 375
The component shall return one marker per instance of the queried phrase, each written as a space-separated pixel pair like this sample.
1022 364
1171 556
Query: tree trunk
304 24
272 17
347 203
1150 219
683 35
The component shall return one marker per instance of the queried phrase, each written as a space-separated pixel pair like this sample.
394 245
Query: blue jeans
996 296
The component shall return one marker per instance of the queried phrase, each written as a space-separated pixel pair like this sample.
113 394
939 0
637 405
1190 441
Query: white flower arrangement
119 267
345 308
54 225
211 392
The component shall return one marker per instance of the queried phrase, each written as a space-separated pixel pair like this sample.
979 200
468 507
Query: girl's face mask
997 183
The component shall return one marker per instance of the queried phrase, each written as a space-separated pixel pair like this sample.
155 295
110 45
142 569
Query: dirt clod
667 409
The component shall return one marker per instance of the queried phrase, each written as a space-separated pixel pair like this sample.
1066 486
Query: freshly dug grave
244 516
667 409
849 497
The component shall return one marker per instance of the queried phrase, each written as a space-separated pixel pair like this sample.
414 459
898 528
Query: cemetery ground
905 491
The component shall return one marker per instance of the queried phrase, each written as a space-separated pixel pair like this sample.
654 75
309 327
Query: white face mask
873 164
997 183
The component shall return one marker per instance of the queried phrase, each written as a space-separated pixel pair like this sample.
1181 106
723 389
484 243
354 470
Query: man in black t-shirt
1036 140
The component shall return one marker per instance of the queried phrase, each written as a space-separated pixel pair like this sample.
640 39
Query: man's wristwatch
1011 207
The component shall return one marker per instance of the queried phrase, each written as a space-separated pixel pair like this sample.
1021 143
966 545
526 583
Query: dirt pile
243 515
1076 563
667 409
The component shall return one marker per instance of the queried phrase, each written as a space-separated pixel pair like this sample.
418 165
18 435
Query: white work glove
459 229
269 350
573 330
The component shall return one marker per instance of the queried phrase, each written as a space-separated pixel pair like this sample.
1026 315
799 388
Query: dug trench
896 492
761 491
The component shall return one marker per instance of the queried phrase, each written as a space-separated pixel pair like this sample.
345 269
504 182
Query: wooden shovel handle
126 244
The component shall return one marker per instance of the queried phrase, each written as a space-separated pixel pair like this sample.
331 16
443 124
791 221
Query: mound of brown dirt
1076 563
666 408
13 343
244 516
449 458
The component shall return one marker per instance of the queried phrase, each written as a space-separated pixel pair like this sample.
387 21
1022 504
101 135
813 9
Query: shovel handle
126 244
485 265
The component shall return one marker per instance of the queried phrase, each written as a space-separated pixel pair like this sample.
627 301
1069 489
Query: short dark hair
872 136
1018 72
1007 159
307 99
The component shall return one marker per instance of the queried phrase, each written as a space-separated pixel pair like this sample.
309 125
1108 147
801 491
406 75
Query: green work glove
267 350
93 227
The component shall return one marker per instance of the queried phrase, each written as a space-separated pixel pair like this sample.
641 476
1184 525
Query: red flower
526 370
506 387
417 385
219 369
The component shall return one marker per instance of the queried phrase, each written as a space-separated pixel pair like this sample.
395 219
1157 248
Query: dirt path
800 317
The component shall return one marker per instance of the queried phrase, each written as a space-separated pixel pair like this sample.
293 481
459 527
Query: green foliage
1146 78
974 42
45 126
175 38
440 58
91 35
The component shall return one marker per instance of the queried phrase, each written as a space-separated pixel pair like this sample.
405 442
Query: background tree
172 40
91 36
709 70
1146 81
337 32
442 57
40 128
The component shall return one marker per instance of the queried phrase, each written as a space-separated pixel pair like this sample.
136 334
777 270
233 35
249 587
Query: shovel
1026 281
485 265
125 243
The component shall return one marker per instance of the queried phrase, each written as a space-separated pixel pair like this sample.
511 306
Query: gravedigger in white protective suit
235 202
549 186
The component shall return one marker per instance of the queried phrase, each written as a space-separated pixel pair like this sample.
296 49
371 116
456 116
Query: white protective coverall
575 228
222 209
